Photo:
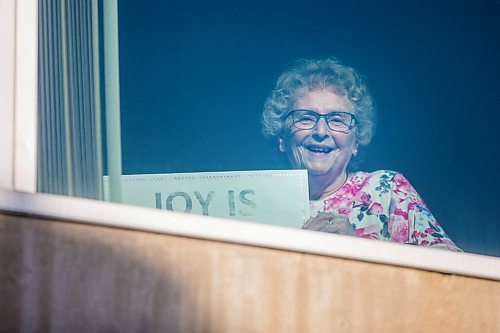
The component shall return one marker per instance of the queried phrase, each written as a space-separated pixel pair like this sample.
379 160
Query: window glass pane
194 78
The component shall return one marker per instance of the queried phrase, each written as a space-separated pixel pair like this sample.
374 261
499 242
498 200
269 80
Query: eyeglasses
337 121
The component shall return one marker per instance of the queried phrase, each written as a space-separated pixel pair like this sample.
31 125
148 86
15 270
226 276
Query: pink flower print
344 211
370 232
416 235
355 188
358 183
333 203
357 180
401 181
346 188
362 199
399 232
403 187
429 230
342 196
402 213
348 191
376 208
436 241
414 204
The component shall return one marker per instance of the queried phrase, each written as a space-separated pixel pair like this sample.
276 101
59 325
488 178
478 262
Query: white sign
279 197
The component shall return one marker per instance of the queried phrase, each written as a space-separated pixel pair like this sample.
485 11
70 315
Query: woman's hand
330 222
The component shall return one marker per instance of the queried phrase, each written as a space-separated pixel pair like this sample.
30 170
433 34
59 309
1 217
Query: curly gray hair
318 74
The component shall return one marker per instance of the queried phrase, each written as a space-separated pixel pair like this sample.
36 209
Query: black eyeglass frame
318 116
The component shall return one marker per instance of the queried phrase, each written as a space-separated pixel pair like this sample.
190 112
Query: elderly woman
320 114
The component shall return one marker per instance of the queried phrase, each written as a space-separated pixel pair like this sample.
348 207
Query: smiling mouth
320 150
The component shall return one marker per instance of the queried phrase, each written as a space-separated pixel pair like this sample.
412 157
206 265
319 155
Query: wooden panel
73 277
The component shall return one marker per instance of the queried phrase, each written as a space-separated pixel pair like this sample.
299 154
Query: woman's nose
321 130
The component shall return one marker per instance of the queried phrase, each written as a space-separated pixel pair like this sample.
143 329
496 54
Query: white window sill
146 219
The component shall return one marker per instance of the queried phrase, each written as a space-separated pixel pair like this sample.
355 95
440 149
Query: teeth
320 150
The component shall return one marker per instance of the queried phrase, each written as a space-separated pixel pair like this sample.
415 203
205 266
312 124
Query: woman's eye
307 118
336 119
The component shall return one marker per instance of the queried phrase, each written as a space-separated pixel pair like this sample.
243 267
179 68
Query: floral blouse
384 205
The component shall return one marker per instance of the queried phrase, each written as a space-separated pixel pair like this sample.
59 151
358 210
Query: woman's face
320 150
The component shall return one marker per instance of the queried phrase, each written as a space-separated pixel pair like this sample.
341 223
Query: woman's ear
281 145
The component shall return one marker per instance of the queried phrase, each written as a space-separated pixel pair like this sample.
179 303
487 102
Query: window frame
18 174
18 94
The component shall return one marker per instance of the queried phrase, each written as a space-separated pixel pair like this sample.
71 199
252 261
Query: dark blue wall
194 76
